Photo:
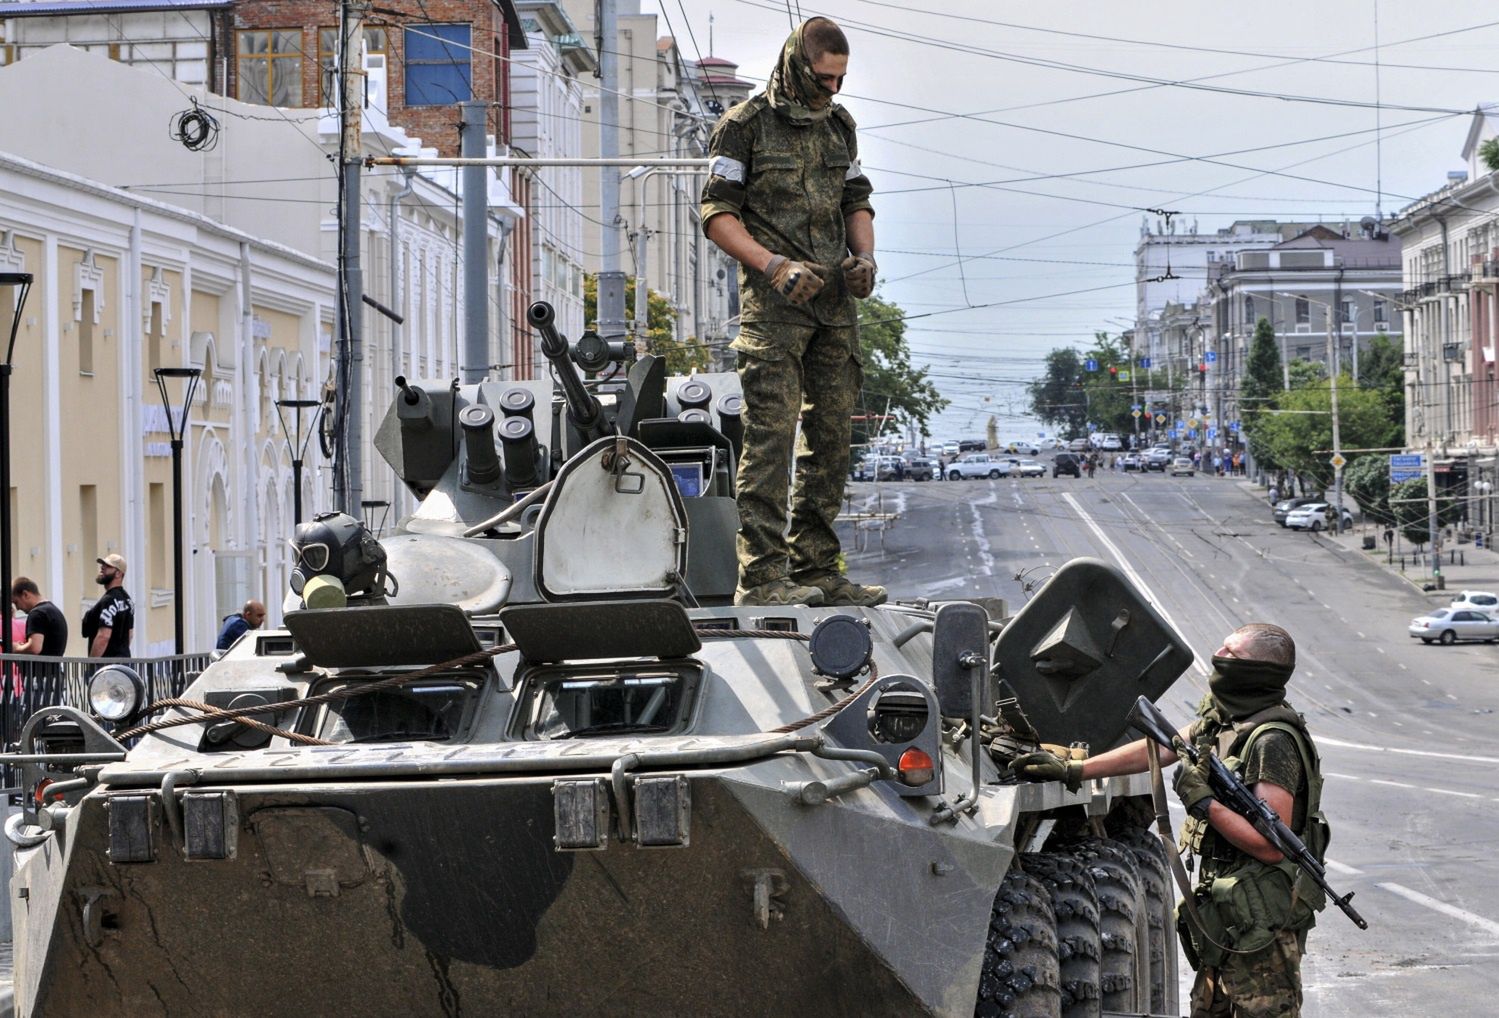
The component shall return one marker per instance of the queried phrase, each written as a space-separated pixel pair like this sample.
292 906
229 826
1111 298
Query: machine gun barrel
583 409
1147 718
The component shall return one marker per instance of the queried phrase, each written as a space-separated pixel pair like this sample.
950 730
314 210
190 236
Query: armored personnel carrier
525 757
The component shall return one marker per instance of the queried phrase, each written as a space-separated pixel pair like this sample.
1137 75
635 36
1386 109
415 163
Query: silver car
1446 625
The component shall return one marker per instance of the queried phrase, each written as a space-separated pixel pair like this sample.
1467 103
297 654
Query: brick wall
435 125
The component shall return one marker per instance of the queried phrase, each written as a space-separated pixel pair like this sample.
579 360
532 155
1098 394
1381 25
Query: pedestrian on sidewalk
108 624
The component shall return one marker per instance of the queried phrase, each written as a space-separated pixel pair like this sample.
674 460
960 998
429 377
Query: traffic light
1113 372
1202 369
1077 381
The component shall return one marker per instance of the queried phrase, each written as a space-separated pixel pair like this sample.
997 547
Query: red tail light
916 768
40 794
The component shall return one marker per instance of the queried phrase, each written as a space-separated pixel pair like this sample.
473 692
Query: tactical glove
798 282
858 273
1191 784
1044 766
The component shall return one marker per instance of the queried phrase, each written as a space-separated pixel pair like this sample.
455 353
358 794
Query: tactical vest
1251 900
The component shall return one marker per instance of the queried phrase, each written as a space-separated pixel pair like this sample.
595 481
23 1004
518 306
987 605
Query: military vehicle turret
524 757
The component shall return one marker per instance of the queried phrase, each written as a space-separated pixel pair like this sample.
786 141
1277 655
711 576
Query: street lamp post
296 443
1332 375
177 428
22 283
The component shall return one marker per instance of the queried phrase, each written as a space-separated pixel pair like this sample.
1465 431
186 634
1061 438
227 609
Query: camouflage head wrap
794 91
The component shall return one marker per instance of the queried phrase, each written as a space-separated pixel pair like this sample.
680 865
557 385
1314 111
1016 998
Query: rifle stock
1147 718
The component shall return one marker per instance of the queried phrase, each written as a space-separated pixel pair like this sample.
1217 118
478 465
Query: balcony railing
1429 289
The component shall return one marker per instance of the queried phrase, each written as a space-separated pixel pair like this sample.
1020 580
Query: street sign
1192 424
1124 375
1145 362
1212 433
1233 426
1338 462
1135 414
1210 356
1134 406
1405 467
1090 364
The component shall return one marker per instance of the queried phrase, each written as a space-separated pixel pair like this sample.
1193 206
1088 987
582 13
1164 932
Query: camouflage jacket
791 186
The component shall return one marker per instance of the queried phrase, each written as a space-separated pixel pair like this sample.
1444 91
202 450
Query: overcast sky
968 119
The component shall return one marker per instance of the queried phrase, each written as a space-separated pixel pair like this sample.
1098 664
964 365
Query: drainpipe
397 337
249 389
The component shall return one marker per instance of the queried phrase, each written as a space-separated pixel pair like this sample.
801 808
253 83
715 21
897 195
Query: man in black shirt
107 625
46 629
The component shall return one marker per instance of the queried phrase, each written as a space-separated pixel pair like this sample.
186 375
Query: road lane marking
1135 578
1392 784
1343 868
1448 791
1342 777
1323 741
1487 925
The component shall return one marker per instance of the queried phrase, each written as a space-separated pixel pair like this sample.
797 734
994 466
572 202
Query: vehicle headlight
115 692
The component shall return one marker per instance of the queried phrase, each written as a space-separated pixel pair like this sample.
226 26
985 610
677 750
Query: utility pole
611 282
475 118
348 471
1337 443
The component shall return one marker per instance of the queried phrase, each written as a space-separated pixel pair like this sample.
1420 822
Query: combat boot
840 590
778 594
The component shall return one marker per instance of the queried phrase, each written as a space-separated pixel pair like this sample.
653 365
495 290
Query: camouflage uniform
1266 982
791 177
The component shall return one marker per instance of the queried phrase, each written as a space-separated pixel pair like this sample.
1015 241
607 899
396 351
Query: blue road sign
1405 467
1192 433
1133 407
1145 362
1212 433
1233 426
1090 364
1210 356
1181 425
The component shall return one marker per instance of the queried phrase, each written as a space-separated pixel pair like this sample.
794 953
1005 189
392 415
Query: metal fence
29 682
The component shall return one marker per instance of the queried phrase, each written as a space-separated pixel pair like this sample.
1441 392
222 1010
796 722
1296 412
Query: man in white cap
107 625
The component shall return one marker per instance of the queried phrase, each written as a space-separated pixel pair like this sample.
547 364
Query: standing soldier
787 200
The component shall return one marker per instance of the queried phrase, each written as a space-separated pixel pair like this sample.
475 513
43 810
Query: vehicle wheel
1316 526
1155 881
994 475
953 475
1447 637
1116 875
1020 975
1074 900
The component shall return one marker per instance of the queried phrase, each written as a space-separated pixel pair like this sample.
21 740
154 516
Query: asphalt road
1407 732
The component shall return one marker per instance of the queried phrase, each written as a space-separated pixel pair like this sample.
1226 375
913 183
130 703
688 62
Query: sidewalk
1463 566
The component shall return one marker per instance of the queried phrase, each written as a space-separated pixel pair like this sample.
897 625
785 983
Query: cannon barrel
583 409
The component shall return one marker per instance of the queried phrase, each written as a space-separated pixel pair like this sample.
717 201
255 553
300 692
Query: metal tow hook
767 895
93 913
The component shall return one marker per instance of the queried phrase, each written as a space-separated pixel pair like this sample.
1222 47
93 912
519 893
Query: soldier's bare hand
858 273
798 282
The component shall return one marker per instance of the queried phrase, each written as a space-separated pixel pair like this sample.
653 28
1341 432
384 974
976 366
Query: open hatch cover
589 630
382 635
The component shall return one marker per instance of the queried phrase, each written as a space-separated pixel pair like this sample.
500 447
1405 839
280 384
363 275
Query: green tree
1058 397
1301 425
683 357
1367 480
1261 384
889 377
1489 153
1305 374
1381 369
1412 510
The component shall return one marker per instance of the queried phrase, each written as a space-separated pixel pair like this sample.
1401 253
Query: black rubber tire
1074 901
1447 637
1121 901
1155 881
1020 976
954 476
994 475
1316 525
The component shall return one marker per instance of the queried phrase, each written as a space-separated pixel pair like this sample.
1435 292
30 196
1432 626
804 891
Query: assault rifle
1233 793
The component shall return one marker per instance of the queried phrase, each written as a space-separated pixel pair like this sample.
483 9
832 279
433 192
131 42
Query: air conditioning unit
1381 326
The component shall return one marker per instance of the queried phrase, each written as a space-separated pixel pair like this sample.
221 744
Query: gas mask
337 558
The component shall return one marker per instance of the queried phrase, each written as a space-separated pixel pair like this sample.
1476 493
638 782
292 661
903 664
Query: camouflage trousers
1265 984
786 370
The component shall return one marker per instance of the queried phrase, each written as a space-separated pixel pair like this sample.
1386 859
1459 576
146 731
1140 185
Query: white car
1107 441
1476 600
1447 626
977 464
1316 516
1028 468
1182 465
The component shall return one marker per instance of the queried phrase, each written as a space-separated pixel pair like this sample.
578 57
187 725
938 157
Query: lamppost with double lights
296 443
22 283
177 428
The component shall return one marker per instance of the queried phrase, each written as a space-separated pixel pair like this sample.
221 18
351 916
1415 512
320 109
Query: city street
1406 730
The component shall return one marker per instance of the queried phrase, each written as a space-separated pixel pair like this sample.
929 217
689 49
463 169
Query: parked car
880 468
950 449
919 468
1130 461
1021 446
1445 625
1029 468
1158 458
977 464
1476 600
1316 516
1183 465
1079 445
1107 441
1067 463
1285 505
